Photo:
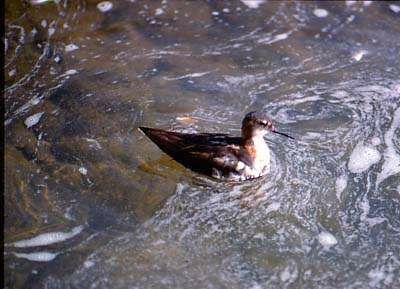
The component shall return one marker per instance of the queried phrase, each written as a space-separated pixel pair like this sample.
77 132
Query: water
81 76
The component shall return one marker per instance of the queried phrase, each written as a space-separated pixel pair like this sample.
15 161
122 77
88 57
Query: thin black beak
284 134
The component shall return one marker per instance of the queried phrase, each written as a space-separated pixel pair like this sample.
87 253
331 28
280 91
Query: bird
219 155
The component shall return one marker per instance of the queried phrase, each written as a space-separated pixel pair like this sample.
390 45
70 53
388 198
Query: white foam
396 87
51 31
32 102
159 11
272 207
57 59
378 275
394 8
255 285
38 2
375 141
340 94
37 256
68 214
375 221
341 184
391 164
68 73
12 72
359 55
94 143
83 170
88 263
71 47
276 38
43 23
48 238
104 6
252 3
158 242
321 13
362 158
365 207
327 239
191 75
288 274
33 119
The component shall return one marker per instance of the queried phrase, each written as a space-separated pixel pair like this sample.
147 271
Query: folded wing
204 153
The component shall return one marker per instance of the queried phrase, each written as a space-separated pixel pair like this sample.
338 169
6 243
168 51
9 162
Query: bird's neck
257 149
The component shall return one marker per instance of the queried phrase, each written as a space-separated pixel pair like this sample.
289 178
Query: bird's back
206 153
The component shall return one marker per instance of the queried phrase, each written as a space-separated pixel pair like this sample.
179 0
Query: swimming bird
219 155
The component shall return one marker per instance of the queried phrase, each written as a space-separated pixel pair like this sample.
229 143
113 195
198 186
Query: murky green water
118 213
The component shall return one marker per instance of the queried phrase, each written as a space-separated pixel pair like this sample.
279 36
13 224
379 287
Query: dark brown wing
199 152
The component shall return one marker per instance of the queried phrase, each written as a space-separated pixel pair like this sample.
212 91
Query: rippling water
91 203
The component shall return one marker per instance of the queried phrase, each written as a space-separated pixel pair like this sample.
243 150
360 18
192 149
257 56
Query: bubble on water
362 158
359 55
71 47
37 256
252 3
367 2
104 6
394 8
326 239
215 13
33 119
226 10
321 13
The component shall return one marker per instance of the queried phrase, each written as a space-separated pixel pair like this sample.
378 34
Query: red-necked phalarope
219 155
